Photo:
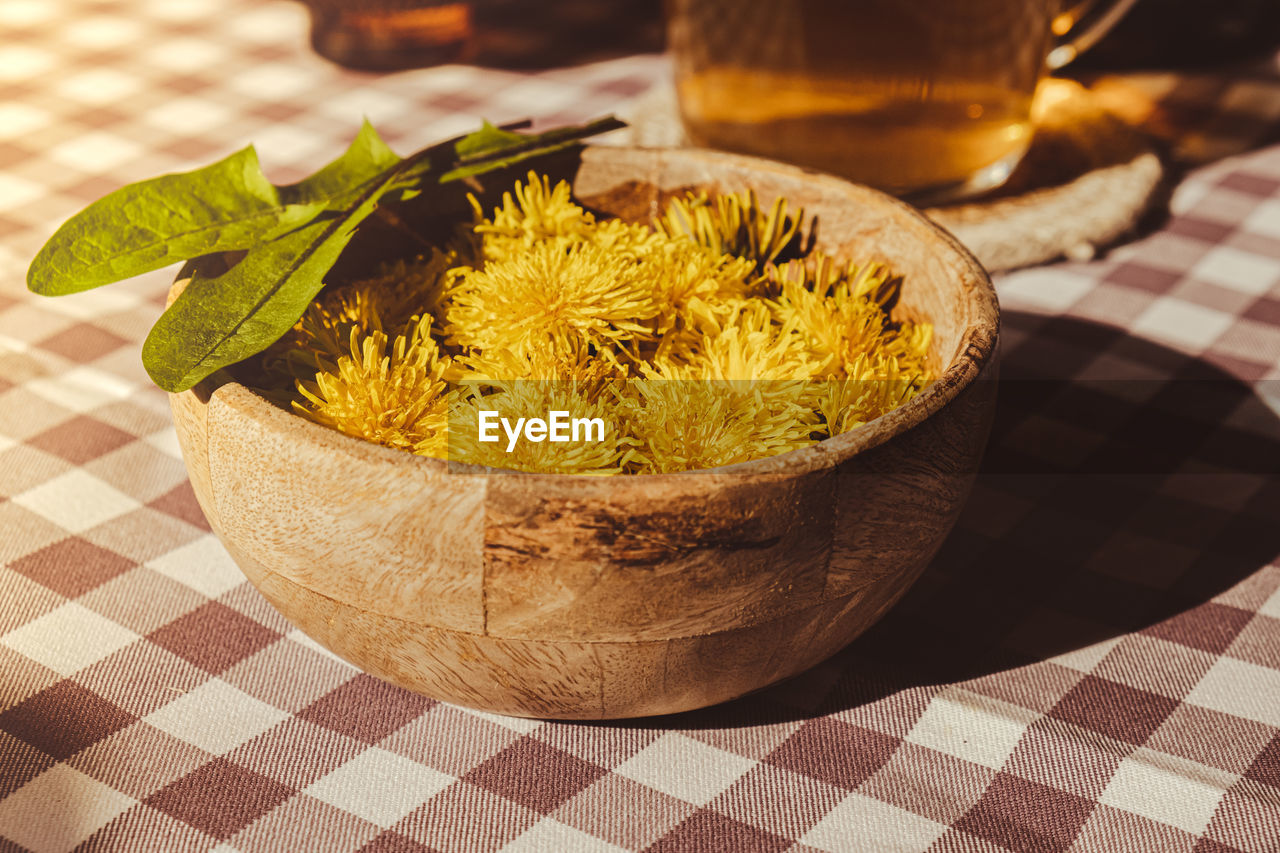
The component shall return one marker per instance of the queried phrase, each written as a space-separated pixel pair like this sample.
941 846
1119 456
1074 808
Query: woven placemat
1084 183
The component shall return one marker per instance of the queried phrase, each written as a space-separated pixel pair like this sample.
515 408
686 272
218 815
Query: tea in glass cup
928 99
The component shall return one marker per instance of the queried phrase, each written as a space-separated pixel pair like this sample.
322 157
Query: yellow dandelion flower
839 311
828 276
398 293
875 385
734 224
625 239
746 344
540 359
389 392
416 288
688 424
602 449
533 212
663 334
909 344
319 338
689 282
581 293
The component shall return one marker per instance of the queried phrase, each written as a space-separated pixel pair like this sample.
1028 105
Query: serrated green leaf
148 225
492 148
487 139
365 159
292 236
218 321
468 169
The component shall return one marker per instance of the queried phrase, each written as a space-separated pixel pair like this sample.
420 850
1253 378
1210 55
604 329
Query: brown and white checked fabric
1092 664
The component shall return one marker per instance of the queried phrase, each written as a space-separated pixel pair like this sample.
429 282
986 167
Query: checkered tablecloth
1093 663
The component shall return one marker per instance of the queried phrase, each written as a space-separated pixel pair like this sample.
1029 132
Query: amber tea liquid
923 98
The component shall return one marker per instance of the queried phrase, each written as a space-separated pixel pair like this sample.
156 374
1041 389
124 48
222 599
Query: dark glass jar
385 35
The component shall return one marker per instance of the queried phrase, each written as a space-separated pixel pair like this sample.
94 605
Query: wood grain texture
665 561
407 542
190 417
589 598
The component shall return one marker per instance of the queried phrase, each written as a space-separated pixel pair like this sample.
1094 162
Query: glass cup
926 99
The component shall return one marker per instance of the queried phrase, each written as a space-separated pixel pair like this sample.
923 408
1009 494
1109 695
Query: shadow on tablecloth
1121 500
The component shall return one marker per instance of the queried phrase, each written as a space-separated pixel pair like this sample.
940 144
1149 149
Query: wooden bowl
577 597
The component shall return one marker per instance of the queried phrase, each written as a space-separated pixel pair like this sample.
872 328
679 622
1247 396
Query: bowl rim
976 351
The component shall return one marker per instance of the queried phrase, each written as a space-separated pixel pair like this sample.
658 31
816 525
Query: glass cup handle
1078 28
